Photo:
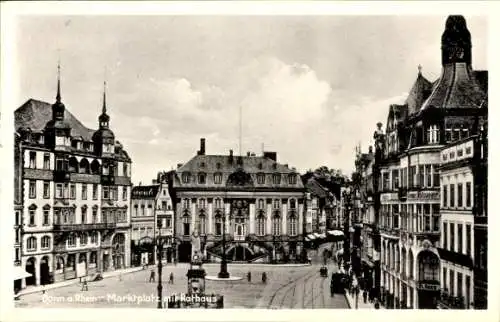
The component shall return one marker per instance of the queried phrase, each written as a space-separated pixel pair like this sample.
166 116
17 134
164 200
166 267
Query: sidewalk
351 301
41 288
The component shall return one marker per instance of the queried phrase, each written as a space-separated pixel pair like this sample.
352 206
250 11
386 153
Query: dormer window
292 179
277 178
202 178
261 178
186 177
260 166
218 178
432 134
218 165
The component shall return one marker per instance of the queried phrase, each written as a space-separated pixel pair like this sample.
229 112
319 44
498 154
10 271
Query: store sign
423 195
389 197
428 286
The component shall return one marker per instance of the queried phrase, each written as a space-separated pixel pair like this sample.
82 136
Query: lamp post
346 196
159 249
223 264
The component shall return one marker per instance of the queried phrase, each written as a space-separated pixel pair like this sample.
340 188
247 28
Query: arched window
218 203
84 166
428 266
276 203
292 225
293 204
218 224
410 264
71 240
276 225
185 203
31 244
95 167
45 242
185 225
73 165
201 203
261 204
93 237
186 177
217 178
261 224
59 263
202 178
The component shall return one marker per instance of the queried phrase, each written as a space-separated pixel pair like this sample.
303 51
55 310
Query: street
286 287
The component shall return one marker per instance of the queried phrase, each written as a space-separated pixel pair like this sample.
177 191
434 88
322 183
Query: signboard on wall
423 195
388 197
428 286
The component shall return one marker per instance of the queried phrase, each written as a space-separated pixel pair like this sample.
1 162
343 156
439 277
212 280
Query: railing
239 238
72 227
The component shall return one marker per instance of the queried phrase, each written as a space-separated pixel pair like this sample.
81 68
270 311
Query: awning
323 235
20 273
317 235
307 239
335 233
311 236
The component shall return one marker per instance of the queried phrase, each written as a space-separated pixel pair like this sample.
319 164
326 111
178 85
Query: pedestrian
332 288
85 286
249 277
171 278
264 277
152 276
365 295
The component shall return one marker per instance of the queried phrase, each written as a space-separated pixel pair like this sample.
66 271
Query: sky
310 88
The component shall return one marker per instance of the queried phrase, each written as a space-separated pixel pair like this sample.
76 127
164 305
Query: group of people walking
152 277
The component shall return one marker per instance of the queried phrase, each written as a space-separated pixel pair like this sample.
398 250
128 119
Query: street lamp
346 196
223 264
159 250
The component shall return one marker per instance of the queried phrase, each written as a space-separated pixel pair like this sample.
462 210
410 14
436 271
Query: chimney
202 147
248 154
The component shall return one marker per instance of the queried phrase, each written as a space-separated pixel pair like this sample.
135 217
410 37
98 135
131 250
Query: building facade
72 191
152 216
258 202
435 114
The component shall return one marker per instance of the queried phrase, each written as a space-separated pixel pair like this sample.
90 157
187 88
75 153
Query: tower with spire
104 138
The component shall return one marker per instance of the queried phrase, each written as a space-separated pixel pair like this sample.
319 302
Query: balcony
61 176
80 227
402 192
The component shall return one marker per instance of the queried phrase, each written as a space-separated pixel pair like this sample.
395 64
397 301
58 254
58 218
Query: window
105 193
46 161
276 225
292 225
203 223
71 240
46 213
31 217
468 240
261 178
421 176
124 193
468 194
428 175
32 189
459 284
61 163
435 217
445 196
185 203
45 242
185 224
395 179
185 177
467 292
460 238
218 225
428 267
261 204
46 189
435 175
84 191
94 191
201 178
445 235
32 164
276 203
292 179
31 244
218 203
385 181
445 279
452 237
202 203
261 224
460 190
452 282
452 195
83 239
125 169
276 178
412 177
94 215
84 214
218 178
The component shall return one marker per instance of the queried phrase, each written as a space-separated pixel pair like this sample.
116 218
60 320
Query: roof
241 167
418 94
458 87
35 115
143 192
316 189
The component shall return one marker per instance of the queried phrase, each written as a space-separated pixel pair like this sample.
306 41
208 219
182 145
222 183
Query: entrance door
30 269
44 271
427 299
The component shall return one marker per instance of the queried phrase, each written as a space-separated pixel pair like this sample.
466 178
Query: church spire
58 95
456 41
104 99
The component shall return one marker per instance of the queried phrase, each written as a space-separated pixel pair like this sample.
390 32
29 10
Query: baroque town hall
72 190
